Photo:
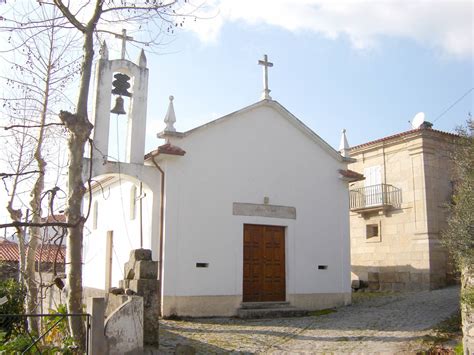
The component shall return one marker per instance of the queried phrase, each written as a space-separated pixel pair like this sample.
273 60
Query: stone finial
344 145
170 117
104 51
142 59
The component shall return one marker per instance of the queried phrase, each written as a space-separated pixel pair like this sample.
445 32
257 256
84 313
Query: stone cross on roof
266 64
124 38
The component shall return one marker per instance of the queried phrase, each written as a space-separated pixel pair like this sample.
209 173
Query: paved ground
388 324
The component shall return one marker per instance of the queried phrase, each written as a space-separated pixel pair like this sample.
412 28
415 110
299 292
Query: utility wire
454 104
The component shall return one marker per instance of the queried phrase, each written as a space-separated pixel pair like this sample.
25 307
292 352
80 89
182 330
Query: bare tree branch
3 175
33 126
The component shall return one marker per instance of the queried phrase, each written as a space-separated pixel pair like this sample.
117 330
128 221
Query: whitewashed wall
114 215
243 159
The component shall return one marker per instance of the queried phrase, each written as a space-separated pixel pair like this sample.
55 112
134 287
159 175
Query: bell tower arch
116 79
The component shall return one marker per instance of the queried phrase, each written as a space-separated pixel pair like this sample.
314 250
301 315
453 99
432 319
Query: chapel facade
248 209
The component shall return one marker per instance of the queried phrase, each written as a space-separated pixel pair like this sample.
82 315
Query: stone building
398 211
49 258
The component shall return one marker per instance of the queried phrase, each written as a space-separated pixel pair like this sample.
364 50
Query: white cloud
443 24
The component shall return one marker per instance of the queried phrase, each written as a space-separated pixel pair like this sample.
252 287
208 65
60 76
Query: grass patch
467 297
446 331
322 312
450 326
359 297
458 349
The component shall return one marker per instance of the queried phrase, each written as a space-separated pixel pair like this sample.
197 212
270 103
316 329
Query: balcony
375 198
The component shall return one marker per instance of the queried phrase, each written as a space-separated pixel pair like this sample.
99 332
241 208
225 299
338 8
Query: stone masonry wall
407 254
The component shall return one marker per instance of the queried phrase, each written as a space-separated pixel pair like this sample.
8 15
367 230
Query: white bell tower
117 78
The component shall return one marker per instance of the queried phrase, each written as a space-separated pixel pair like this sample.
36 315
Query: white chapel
249 208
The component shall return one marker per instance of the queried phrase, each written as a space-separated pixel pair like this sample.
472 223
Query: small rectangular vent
202 264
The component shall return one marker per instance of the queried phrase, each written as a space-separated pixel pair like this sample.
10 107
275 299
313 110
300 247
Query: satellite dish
418 120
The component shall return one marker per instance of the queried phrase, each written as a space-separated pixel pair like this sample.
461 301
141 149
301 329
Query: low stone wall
398 281
398 278
114 302
8 270
124 327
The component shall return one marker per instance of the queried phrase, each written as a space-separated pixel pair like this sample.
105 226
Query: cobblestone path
386 324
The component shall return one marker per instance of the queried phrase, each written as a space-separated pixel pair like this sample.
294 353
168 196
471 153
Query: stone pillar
96 308
141 277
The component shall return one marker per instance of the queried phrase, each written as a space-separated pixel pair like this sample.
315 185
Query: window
372 232
373 193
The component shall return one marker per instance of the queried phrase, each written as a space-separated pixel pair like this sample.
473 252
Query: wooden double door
264 263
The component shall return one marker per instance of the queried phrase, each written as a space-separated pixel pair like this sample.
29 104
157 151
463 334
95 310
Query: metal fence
53 336
375 196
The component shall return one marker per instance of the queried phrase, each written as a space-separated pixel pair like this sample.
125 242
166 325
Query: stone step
279 312
257 305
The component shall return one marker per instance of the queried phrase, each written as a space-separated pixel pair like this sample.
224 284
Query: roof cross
266 64
124 38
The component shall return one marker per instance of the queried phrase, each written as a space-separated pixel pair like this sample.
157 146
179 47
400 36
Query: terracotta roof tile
351 175
402 134
167 148
55 218
45 252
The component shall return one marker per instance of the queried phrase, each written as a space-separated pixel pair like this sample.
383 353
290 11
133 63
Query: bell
118 109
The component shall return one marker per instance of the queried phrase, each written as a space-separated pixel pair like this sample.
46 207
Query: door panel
264 263
373 188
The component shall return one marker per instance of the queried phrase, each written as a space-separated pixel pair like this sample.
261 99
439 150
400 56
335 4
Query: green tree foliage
15 295
459 236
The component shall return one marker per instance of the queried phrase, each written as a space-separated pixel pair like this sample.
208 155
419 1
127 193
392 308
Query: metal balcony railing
375 196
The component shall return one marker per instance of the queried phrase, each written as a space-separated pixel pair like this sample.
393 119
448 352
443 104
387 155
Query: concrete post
96 308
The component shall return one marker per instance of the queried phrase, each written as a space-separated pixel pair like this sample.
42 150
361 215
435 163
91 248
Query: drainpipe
141 214
162 208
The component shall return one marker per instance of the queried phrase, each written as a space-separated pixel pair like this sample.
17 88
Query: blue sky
369 70
367 66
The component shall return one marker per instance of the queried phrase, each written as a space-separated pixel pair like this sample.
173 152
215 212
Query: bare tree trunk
80 130
35 232
36 195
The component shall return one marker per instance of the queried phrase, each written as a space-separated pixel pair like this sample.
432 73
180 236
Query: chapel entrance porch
264 263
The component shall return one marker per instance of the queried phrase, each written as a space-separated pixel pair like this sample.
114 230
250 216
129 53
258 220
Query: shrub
15 294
